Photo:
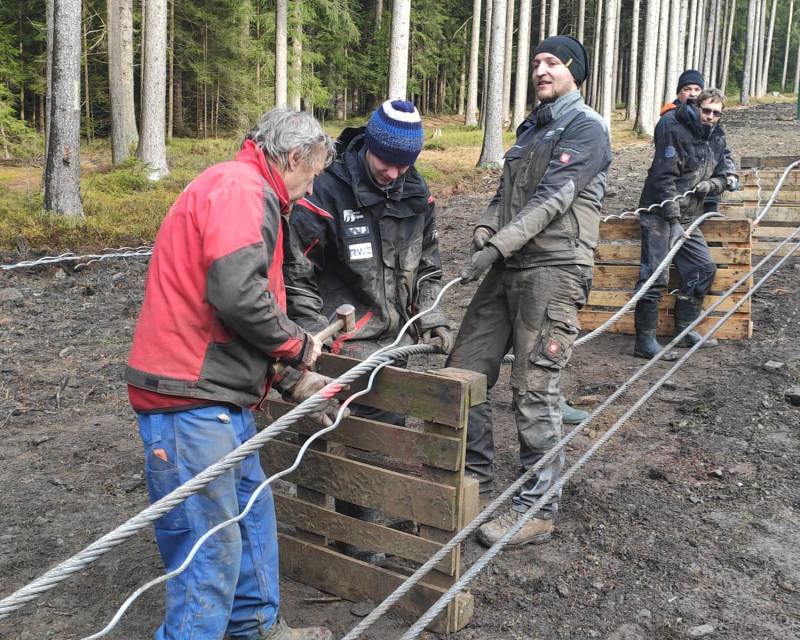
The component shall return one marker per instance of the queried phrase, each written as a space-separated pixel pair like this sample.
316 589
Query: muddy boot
535 531
646 321
687 310
281 631
571 415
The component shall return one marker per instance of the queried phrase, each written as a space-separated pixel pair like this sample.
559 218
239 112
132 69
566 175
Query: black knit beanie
570 51
690 76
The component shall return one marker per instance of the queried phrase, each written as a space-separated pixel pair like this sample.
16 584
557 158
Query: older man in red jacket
212 323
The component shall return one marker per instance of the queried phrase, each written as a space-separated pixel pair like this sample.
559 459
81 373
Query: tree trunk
595 77
142 40
542 19
617 56
553 27
673 51
87 100
633 85
398 57
281 52
797 72
645 122
471 117
378 14
788 42
297 56
152 146
177 96
726 57
171 72
462 79
709 48
523 57
492 151
761 21
691 33
49 78
748 53
699 36
487 47
768 49
718 37
581 19
609 27
661 57
684 8
508 59
62 171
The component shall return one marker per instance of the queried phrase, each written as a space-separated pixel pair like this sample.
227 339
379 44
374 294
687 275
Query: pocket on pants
163 478
561 330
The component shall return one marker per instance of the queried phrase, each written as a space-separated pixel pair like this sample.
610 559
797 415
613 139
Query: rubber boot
687 310
571 415
646 321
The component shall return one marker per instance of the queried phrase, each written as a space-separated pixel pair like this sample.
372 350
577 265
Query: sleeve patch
565 157
670 152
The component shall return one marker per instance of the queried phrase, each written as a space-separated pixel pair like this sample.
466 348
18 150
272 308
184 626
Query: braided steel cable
757 174
120 252
775 193
253 497
419 626
634 213
484 515
89 554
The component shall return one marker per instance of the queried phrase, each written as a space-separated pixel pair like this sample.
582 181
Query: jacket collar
689 115
544 114
252 155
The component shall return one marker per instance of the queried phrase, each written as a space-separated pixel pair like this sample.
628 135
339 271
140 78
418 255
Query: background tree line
141 71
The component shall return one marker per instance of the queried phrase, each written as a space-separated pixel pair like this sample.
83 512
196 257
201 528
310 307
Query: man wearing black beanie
536 240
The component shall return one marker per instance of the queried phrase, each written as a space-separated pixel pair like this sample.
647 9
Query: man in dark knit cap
535 243
368 233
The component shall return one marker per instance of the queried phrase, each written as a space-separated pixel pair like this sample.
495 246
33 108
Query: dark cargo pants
536 311
693 261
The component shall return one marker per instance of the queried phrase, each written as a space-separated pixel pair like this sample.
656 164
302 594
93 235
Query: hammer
345 321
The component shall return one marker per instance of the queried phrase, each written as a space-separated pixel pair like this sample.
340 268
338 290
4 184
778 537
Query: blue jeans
231 585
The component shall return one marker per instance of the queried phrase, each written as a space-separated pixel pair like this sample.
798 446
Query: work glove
478 263
311 351
309 384
732 182
676 232
703 188
444 335
480 237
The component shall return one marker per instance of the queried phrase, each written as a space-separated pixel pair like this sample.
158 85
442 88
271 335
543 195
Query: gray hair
715 95
281 131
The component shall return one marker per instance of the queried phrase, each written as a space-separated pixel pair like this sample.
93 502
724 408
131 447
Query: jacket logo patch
553 349
670 152
355 232
359 251
352 216
565 157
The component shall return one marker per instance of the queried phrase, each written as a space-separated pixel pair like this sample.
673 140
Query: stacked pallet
616 272
412 474
759 178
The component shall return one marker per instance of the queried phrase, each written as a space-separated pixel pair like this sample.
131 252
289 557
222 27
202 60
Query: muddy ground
690 517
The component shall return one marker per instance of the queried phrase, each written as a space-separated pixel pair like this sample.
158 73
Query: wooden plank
713 230
738 327
624 277
632 252
354 580
424 395
365 535
767 162
616 299
763 248
777 213
770 178
476 382
472 500
750 195
442 451
366 485
769 231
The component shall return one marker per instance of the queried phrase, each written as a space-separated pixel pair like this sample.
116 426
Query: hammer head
347 314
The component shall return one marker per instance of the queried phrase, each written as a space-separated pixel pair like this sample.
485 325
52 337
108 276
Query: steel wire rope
89 554
484 515
419 626
253 497
634 213
120 252
775 193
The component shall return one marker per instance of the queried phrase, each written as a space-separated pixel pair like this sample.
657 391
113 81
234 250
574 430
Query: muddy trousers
535 311
231 586
693 261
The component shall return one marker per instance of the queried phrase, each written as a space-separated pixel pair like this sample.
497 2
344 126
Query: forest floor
689 517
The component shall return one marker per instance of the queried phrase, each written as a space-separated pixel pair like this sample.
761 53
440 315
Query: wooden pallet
616 272
408 473
782 218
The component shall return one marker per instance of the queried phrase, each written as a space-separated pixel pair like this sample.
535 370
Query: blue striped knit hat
394 132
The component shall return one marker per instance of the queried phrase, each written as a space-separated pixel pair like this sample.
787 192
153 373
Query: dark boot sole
539 539
669 357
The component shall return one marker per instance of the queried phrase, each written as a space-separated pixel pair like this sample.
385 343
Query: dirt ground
689 517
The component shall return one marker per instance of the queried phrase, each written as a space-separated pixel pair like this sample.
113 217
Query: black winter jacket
686 153
373 248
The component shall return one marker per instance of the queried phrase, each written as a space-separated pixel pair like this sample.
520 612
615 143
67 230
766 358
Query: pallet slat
619 298
615 277
713 230
737 327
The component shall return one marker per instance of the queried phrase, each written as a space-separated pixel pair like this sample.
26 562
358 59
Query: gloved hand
444 335
676 232
309 384
479 263
703 188
480 237
312 351
732 182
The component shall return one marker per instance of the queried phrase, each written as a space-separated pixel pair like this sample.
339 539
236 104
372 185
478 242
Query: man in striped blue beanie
394 134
